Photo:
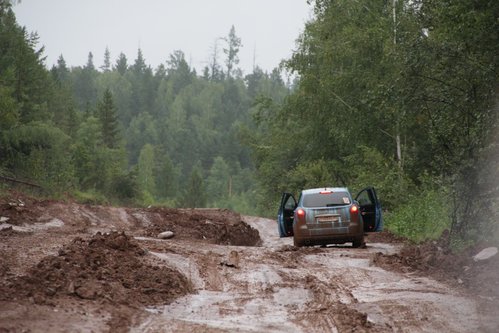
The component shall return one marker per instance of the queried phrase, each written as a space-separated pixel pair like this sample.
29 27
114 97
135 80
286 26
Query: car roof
320 189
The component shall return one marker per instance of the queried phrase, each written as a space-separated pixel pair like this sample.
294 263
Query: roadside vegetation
403 98
401 95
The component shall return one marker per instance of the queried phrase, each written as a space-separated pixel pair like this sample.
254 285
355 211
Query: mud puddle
279 288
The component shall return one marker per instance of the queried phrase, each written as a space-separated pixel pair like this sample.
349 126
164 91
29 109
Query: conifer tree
109 120
140 64
121 64
90 62
60 72
106 67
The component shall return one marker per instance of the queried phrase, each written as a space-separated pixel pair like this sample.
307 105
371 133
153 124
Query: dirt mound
108 267
21 208
217 226
434 258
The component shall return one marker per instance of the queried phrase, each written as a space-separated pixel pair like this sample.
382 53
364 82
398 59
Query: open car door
370 209
285 215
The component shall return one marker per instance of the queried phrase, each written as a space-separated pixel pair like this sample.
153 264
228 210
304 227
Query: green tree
232 50
143 86
194 194
106 66
84 86
179 73
86 152
9 110
60 72
121 90
167 176
22 69
38 151
30 146
146 169
219 180
213 71
109 120
121 64
459 106
141 131
96 165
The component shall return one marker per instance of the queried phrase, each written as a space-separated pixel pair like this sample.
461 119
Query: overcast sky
267 28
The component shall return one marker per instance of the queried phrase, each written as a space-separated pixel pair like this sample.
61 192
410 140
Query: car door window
364 198
290 204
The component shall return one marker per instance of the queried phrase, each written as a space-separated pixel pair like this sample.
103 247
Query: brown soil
384 237
68 267
107 267
217 226
434 258
83 260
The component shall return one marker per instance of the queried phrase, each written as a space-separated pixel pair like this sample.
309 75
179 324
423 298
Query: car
329 215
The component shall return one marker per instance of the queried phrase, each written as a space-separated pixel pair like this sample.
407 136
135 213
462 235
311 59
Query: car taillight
354 213
300 213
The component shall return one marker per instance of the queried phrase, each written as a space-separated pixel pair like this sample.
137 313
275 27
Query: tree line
123 132
401 95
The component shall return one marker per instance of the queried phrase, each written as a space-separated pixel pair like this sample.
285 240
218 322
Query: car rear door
285 215
370 209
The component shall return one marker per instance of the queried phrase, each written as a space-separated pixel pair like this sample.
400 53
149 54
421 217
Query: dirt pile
435 259
20 208
108 267
217 226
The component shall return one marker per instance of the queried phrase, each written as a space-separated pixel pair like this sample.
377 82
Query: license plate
328 219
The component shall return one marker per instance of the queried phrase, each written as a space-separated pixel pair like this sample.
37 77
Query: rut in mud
70 267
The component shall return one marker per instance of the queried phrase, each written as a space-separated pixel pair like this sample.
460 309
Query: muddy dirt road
66 267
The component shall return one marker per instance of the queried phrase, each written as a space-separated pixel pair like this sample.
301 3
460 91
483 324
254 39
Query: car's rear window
326 199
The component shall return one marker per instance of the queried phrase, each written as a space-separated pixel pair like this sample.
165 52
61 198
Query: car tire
358 243
297 243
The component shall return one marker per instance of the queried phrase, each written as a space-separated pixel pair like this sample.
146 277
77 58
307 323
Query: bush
368 167
424 216
125 186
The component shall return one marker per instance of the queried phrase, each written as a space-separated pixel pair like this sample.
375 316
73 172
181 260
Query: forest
400 95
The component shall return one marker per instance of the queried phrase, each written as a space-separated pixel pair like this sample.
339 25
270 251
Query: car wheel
297 243
358 242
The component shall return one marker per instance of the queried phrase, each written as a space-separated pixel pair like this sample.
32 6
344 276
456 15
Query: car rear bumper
323 235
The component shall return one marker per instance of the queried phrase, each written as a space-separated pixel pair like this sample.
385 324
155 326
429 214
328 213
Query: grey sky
267 28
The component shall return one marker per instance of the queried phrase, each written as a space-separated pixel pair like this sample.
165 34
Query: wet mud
66 267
